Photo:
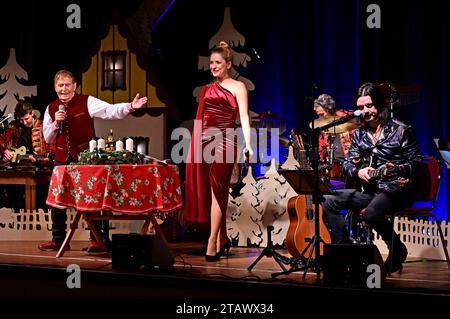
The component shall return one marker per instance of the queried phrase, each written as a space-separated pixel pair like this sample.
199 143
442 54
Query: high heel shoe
225 247
211 258
217 256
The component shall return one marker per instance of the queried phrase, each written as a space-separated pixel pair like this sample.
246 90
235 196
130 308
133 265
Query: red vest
78 128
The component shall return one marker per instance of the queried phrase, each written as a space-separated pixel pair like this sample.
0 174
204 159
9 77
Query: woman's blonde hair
224 49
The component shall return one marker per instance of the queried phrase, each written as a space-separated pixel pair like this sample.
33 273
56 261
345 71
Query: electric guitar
302 214
385 177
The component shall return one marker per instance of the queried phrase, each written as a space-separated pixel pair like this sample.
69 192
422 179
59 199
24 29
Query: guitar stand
269 251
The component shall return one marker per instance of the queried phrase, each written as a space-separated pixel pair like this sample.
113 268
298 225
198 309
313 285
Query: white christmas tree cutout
228 33
11 88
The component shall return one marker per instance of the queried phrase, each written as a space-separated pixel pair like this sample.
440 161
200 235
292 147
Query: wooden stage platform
26 272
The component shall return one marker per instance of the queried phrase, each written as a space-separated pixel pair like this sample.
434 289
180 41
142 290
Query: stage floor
31 273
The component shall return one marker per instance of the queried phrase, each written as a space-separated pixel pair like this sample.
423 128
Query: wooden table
122 192
28 178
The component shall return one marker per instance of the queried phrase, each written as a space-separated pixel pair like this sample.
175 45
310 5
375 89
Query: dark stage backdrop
44 44
326 44
301 44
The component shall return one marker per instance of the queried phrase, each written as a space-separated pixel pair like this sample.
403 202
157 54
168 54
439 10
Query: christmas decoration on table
110 145
102 157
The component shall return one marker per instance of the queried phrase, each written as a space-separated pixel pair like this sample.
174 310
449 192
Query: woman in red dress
212 152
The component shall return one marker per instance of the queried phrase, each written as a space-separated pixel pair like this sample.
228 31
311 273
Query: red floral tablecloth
130 189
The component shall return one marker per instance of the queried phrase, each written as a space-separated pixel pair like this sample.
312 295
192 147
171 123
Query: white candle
140 148
129 144
119 145
92 145
101 143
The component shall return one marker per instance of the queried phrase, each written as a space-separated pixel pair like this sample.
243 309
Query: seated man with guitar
382 155
23 140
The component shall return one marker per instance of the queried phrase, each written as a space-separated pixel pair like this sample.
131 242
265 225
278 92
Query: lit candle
119 145
129 144
101 144
92 145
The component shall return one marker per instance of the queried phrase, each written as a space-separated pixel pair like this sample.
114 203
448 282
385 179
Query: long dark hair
378 100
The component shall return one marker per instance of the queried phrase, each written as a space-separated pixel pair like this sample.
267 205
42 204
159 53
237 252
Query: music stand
304 181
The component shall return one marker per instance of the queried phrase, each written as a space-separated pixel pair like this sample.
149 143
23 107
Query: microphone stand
312 261
317 198
393 99
9 116
317 194
336 122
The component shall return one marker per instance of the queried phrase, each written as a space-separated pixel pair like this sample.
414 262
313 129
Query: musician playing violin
384 141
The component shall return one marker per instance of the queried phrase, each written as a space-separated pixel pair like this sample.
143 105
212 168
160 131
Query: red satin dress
212 153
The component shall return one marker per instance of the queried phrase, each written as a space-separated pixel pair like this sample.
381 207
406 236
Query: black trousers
377 206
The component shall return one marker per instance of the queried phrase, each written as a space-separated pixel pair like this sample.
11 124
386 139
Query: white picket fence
36 225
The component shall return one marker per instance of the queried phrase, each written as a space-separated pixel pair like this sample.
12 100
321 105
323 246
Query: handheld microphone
341 120
61 107
7 117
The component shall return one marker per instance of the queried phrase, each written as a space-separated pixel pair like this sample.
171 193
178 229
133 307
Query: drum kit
338 129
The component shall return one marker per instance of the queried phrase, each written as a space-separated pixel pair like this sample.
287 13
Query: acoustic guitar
20 154
302 214
17 152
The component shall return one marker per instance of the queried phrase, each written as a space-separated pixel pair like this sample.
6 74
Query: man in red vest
69 123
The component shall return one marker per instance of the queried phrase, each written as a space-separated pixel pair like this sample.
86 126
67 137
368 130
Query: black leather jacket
397 145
